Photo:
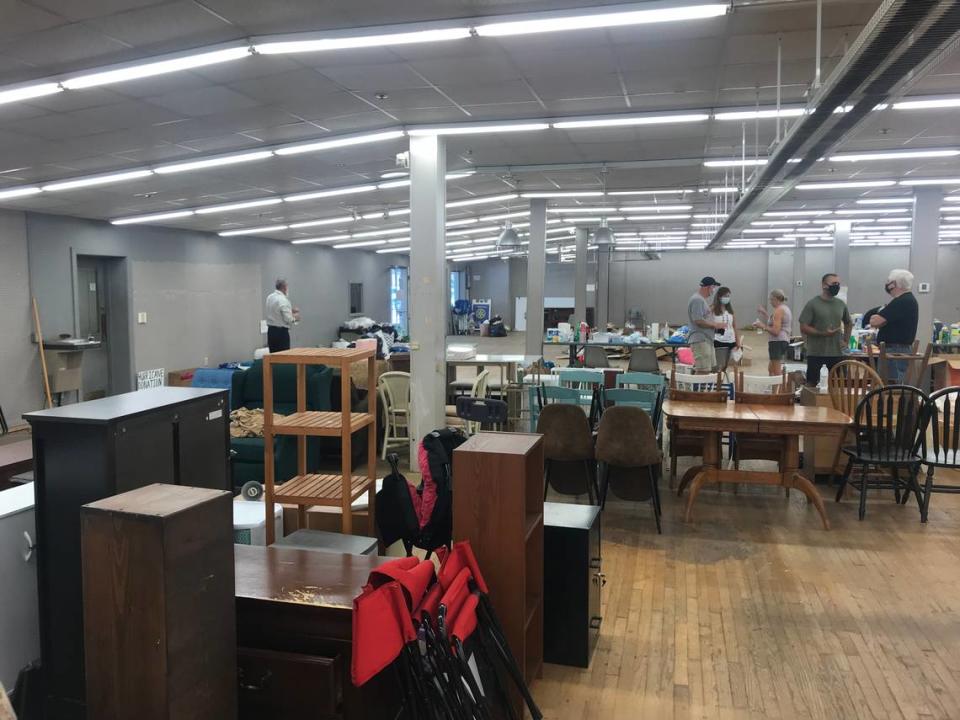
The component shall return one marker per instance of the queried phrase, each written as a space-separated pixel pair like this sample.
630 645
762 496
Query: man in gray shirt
702 327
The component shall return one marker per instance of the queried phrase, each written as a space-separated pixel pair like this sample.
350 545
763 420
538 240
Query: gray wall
491 279
203 294
20 381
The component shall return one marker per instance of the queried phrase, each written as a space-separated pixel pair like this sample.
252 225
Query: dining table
788 421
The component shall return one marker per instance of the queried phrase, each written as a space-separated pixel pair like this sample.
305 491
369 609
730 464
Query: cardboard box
181 378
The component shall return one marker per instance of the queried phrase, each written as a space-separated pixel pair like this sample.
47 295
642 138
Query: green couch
247 392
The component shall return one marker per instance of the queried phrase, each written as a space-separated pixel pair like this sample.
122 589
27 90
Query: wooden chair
394 391
881 362
849 382
761 390
690 388
478 390
943 449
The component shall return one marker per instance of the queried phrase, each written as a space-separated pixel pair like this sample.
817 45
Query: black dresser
92 450
572 581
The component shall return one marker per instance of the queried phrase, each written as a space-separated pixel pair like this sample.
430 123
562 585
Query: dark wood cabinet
295 632
573 580
93 450
158 590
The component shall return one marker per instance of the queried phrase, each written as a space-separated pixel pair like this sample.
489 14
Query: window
456 287
398 299
356 298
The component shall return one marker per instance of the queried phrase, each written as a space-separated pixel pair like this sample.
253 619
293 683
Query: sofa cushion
247 388
249 449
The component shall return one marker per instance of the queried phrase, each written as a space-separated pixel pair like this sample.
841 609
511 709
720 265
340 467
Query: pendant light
603 236
508 240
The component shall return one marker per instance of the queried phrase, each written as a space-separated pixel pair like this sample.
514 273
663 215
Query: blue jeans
897 369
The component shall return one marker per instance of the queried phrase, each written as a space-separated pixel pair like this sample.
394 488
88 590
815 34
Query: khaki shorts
704 356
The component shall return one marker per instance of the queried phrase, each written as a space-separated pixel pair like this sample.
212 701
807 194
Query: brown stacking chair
569 465
761 446
627 443
689 443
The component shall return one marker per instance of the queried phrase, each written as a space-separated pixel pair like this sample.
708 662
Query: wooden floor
754 611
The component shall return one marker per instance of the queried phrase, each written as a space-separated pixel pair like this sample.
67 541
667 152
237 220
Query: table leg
688 477
707 472
793 478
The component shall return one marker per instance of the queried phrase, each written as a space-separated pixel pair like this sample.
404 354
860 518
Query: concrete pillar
924 249
429 287
796 294
841 252
536 276
580 287
602 303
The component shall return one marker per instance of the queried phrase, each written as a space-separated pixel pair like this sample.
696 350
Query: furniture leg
673 463
688 477
301 517
803 484
895 474
927 490
603 471
591 484
836 458
698 481
863 492
653 498
844 479
711 463
546 478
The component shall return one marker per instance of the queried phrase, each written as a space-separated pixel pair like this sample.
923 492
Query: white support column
580 289
797 292
536 276
841 251
602 303
429 288
924 249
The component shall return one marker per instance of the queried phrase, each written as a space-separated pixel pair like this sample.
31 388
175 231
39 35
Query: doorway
520 315
102 314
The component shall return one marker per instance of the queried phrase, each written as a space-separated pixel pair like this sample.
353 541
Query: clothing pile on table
245 423
386 334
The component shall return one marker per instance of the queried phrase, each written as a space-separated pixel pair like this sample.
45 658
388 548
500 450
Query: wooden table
294 630
668 350
713 419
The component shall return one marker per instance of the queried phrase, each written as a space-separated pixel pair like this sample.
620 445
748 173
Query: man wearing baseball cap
702 326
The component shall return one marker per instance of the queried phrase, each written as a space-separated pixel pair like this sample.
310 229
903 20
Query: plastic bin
250 522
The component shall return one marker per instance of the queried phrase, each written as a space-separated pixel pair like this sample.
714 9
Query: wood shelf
533 604
329 424
533 519
306 488
319 490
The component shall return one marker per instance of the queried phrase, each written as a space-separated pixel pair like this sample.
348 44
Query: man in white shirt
280 316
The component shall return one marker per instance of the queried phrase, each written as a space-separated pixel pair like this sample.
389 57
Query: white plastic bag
736 355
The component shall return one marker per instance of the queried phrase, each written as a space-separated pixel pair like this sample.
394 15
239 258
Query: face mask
833 289
725 300
889 287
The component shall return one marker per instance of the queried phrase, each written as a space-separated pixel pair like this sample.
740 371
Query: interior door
520 315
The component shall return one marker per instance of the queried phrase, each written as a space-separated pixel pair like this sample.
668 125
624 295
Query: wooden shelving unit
308 489
498 507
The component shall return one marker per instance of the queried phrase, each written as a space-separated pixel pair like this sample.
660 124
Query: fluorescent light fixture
886 201
656 208
760 114
774 223
582 209
458 174
19 192
872 212
333 192
227 207
929 104
458 243
391 174
321 44
339 142
393 184
473 231
893 155
631 120
932 181
328 238
749 162
156 67
153 217
559 23
362 243
481 200
253 230
96 180
797 213
381 233
477 128
711 216
721 190
404 249
502 216
656 218
400 211
562 194
666 191
29 92
213 162
705 225
845 184
462 222
339 220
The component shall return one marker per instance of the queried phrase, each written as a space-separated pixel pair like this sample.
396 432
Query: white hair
903 278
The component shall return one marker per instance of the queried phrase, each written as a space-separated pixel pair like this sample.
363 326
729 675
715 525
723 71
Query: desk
295 628
713 419
669 349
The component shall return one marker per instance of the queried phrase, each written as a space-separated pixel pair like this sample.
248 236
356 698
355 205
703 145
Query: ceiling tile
184 22
203 101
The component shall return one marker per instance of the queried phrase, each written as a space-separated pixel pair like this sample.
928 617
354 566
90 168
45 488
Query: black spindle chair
890 426
943 437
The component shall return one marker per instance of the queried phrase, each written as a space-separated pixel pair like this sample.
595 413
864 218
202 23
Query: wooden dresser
294 630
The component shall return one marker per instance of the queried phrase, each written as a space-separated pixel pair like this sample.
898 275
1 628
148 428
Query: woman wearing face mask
778 325
723 315
897 320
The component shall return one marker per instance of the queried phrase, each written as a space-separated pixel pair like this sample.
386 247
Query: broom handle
43 355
